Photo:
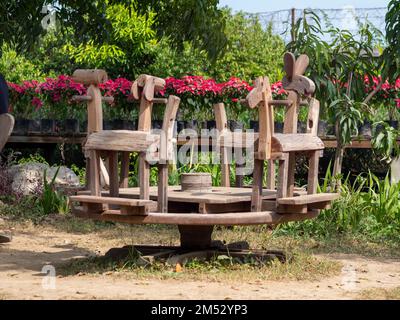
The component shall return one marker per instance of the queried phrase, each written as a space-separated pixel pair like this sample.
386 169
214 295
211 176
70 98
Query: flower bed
52 101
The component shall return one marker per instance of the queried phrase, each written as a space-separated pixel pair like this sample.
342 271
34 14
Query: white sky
273 5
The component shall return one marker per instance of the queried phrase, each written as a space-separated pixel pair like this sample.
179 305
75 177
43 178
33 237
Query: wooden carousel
196 206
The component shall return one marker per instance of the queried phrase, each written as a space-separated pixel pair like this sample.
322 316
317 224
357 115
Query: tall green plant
339 62
51 201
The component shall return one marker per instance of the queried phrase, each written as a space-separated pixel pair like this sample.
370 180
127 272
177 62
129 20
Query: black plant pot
21 127
393 123
254 125
117 124
107 125
301 127
235 125
278 127
156 124
322 128
83 126
209 124
59 127
47 126
34 126
71 126
180 125
128 125
365 129
191 124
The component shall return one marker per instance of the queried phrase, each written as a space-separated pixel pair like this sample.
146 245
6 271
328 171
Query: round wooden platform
223 219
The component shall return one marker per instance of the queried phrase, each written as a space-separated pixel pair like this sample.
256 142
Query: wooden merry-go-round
196 206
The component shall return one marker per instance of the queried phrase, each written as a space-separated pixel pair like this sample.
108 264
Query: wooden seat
109 144
295 142
127 206
305 203
308 198
121 140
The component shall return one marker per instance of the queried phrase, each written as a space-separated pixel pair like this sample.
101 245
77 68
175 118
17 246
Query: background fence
345 18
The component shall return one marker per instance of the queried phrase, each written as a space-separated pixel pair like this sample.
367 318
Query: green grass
303 266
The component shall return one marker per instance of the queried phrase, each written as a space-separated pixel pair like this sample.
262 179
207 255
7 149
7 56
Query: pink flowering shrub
120 89
24 98
57 94
53 98
388 95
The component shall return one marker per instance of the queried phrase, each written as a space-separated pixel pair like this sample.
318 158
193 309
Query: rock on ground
28 178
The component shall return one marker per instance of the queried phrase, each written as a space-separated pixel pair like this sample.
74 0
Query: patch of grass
303 266
380 294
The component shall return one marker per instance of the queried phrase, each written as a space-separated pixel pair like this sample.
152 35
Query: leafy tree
391 54
197 21
338 66
129 50
250 51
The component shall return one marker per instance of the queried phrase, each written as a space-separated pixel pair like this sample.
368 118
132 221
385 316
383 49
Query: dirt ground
32 248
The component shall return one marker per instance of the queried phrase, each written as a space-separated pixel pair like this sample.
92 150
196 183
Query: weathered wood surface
239 218
218 195
308 198
111 200
196 182
121 140
90 76
282 142
222 126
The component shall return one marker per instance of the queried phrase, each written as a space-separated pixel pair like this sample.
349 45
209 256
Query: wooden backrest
298 86
92 77
144 88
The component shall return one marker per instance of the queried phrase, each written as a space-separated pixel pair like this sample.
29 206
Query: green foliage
349 117
127 51
33 158
367 206
51 201
199 22
345 58
384 140
16 67
250 51
391 54
80 172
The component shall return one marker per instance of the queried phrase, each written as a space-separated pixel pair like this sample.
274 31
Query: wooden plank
266 122
296 142
239 218
224 208
166 144
94 110
308 198
271 175
94 173
256 195
130 211
111 200
124 180
162 188
282 177
313 117
121 140
144 176
113 173
222 126
313 173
